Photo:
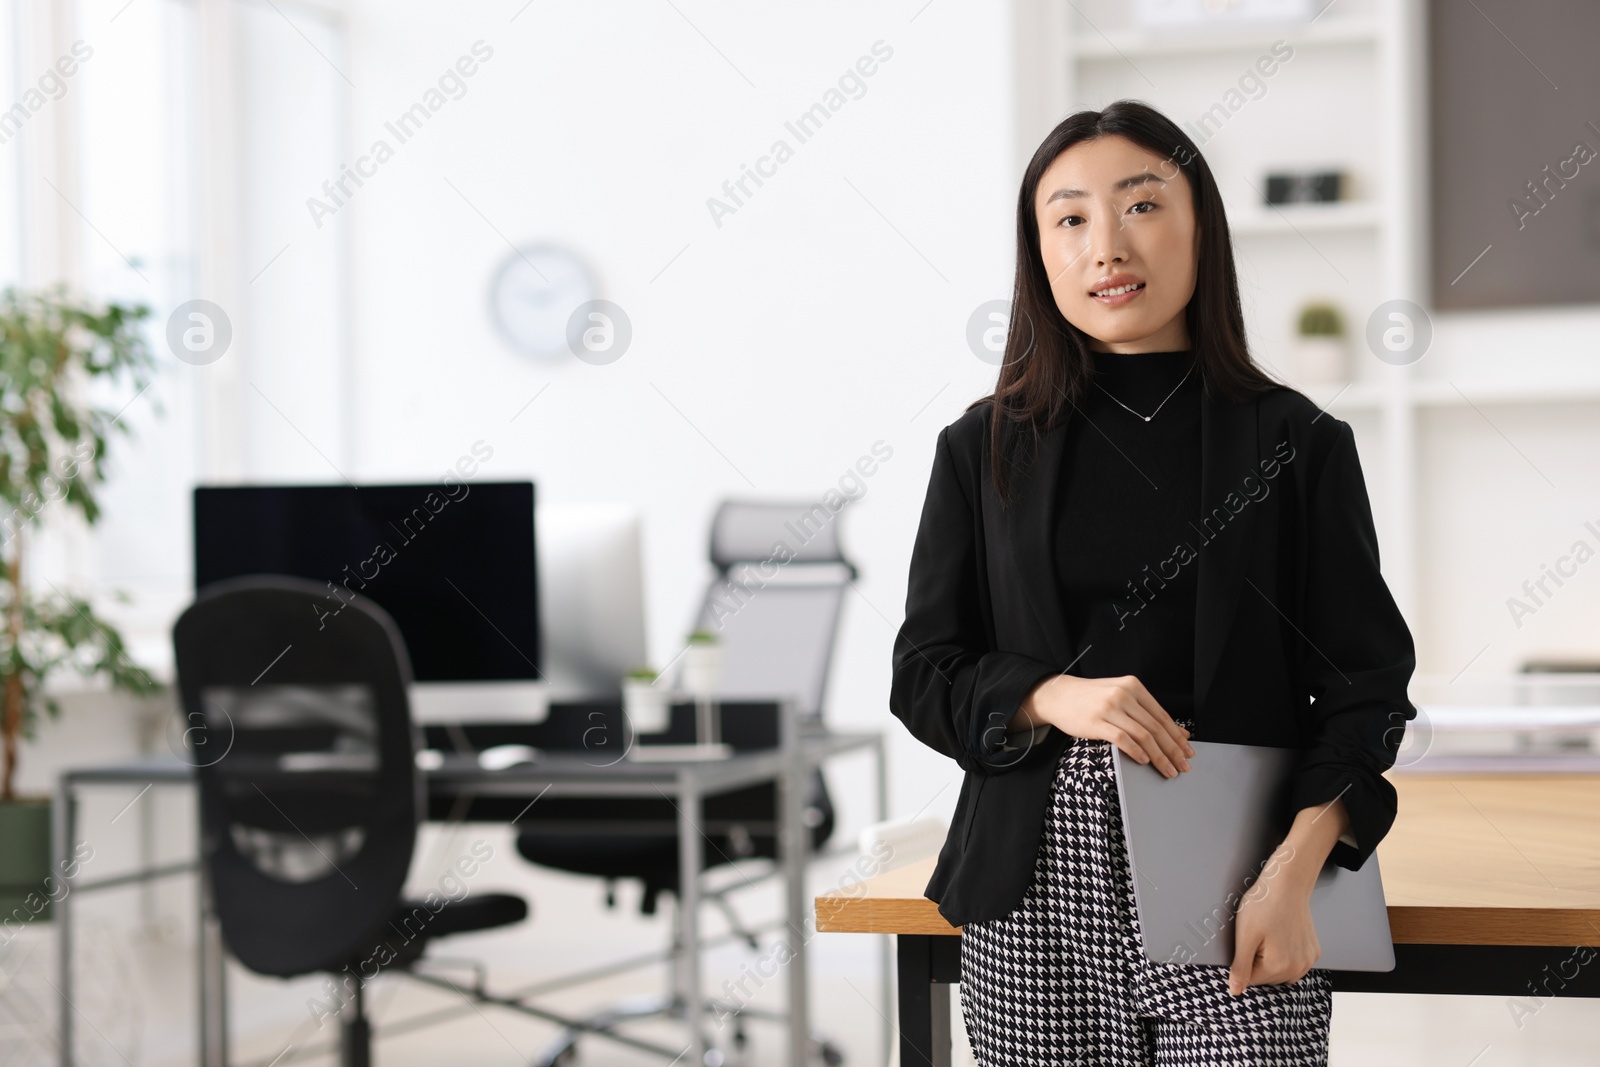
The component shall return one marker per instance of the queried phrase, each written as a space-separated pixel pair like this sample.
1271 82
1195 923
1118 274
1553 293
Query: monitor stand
515 701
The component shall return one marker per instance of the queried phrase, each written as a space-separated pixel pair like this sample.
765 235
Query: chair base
355 1033
355 1043
562 1050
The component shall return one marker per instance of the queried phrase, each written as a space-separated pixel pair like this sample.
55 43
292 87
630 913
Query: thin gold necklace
1159 406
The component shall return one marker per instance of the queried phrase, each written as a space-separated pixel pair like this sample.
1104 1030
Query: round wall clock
534 292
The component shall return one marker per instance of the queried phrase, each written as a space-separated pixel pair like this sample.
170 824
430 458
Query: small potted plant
647 705
52 449
702 664
1321 354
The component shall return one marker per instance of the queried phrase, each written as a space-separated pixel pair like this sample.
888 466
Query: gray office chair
776 599
774 603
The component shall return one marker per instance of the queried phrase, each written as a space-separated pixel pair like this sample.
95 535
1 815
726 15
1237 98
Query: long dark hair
1046 368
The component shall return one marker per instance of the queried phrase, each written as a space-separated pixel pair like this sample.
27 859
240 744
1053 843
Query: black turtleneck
1129 489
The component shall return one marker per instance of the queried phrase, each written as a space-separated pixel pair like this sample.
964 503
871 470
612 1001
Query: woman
1140 538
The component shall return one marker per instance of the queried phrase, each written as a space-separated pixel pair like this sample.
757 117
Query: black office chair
297 715
777 618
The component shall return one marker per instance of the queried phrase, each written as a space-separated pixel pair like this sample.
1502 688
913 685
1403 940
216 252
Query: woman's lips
1120 299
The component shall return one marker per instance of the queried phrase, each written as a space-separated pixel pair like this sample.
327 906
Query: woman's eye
1071 221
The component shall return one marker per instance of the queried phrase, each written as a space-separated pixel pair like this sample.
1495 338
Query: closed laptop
1199 841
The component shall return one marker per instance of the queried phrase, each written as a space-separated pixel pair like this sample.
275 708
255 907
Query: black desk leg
928 966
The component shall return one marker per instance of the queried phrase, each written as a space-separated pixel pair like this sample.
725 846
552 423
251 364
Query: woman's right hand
1119 710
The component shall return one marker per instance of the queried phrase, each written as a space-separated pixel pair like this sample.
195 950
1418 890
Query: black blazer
1298 642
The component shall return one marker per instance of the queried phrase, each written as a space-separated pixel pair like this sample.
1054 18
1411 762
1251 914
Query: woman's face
1111 213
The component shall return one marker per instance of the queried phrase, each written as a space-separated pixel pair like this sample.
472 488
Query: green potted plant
702 664
53 347
1321 355
648 705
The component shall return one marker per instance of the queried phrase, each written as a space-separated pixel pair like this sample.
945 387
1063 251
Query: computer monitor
502 605
454 563
591 588
591 607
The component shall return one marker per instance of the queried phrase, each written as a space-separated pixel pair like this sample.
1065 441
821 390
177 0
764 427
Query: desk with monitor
498 635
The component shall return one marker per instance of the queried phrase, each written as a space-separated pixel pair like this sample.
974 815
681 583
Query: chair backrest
776 599
296 714
752 531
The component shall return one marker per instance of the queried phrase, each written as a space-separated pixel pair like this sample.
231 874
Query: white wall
769 354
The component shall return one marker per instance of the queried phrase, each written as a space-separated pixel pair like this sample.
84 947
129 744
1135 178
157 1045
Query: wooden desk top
1470 860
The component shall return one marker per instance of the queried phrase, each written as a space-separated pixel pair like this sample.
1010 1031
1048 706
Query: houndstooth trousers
1063 979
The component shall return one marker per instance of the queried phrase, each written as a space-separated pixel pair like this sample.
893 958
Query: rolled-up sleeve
951 689
1358 660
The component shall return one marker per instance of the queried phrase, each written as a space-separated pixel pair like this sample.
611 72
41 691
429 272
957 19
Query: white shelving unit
1352 216
1362 397
1352 97
1133 43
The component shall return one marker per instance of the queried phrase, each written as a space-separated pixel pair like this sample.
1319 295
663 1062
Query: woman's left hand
1274 937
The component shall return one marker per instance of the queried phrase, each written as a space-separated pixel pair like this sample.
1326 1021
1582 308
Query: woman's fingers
1240 973
1146 701
1261 958
1122 711
1267 969
1160 733
1175 749
1142 735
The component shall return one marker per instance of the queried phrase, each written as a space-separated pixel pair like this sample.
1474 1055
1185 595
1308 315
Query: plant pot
702 669
1322 360
25 861
647 705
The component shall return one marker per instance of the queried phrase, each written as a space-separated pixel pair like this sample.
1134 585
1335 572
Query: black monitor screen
453 563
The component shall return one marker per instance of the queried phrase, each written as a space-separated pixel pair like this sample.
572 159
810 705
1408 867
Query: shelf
1444 394
1536 766
1088 43
1291 219
1500 717
1503 739
1372 396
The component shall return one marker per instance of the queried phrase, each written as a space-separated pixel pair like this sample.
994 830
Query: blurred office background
788 315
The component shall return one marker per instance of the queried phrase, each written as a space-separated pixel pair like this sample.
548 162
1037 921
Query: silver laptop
1197 842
